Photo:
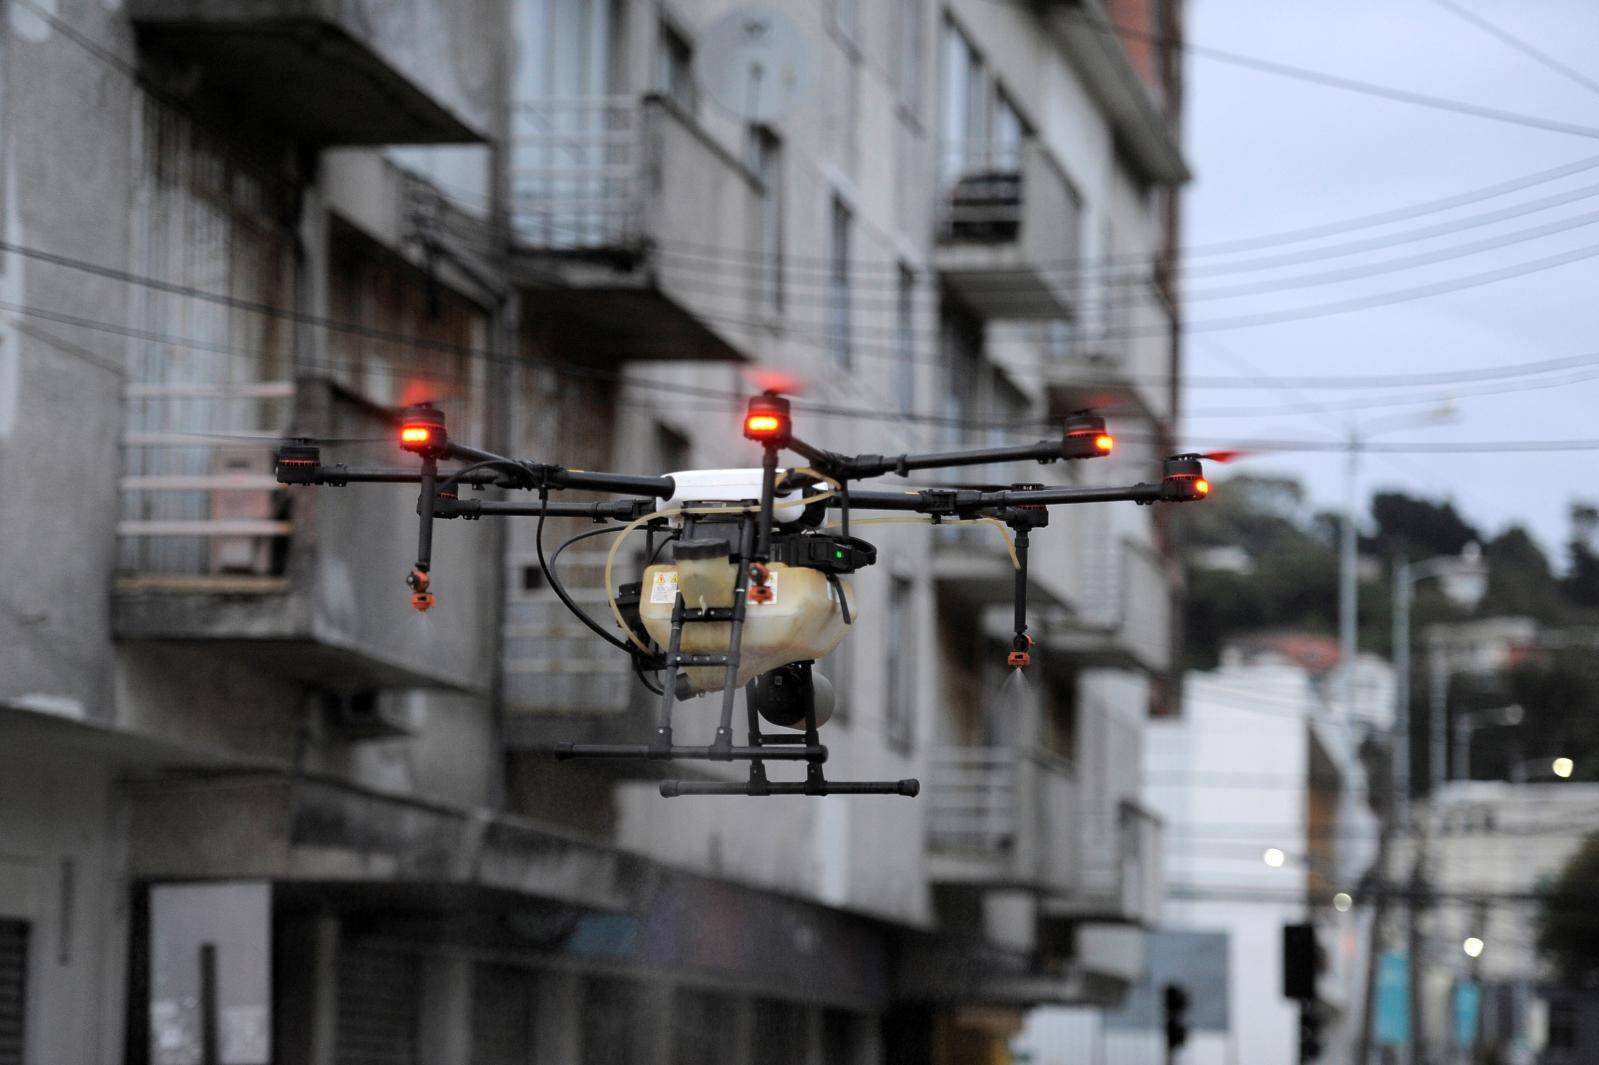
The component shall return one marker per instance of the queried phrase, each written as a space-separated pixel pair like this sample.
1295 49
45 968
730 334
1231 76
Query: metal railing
198 495
1009 808
982 188
577 165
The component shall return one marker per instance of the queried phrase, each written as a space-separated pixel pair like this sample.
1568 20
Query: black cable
501 464
560 591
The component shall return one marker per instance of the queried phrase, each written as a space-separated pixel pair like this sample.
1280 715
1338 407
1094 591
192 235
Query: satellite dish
754 63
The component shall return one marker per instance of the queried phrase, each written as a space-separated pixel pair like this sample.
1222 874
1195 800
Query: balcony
1001 817
1008 230
213 553
1124 614
635 231
1120 879
334 72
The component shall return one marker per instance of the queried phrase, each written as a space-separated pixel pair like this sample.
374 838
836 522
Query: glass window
961 104
766 162
838 285
1007 133
900 705
905 341
674 69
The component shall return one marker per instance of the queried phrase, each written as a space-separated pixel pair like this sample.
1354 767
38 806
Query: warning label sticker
771 582
663 589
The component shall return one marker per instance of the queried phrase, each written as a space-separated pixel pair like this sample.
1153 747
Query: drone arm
966 502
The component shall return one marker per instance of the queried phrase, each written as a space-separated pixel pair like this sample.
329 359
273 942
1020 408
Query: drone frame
768 422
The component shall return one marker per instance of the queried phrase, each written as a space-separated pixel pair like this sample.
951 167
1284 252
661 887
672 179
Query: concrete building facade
253 809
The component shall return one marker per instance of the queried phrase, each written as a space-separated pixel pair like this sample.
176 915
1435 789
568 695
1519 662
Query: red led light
1202 487
415 434
1104 442
761 424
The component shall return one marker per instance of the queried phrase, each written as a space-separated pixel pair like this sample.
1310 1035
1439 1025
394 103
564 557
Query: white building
1263 797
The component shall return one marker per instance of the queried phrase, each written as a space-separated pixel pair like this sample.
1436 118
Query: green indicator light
838 554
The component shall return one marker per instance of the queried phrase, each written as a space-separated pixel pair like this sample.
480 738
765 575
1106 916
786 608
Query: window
908 68
838 293
674 69
963 107
1007 130
905 341
766 162
900 705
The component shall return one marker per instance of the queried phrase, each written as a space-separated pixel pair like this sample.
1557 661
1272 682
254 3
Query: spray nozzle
1020 656
418 580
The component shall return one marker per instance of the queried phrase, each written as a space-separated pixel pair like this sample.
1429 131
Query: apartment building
254 809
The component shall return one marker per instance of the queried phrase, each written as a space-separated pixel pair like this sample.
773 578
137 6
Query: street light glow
1274 857
1342 902
1563 767
1472 946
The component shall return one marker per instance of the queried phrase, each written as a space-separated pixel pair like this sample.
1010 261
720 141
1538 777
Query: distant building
1265 802
1486 849
247 796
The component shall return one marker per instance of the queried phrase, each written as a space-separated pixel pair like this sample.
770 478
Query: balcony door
572 137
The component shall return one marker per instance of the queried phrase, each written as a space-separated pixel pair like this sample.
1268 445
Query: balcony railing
1124 606
1001 817
1008 232
619 196
199 501
306 582
1121 878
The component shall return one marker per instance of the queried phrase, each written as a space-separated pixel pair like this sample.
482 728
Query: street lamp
1464 580
1471 721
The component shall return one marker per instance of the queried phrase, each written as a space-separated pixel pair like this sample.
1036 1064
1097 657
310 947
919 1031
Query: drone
758 586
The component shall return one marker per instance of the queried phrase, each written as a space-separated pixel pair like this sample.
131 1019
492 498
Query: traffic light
1176 1003
1301 961
1311 1020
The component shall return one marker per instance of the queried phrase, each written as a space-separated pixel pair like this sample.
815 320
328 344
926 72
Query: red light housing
768 420
1183 479
422 431
1084 436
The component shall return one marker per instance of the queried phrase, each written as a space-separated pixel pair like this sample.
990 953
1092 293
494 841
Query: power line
1338 81
1526 49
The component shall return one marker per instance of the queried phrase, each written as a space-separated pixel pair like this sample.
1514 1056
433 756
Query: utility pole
1348 584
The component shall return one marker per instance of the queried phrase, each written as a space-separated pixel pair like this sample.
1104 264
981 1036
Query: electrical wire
560 590
1505 36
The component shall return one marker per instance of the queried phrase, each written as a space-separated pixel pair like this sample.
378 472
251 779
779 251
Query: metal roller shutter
379 1002
13 989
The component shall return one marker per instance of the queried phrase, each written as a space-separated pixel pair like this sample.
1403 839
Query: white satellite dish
754 63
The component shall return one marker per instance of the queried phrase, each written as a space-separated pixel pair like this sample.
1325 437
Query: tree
1568 921
1418 527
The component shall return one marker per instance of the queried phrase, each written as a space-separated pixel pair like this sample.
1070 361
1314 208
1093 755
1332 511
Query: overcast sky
1273 155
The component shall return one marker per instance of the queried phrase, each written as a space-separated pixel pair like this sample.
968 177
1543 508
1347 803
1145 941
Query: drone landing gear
760 747
768 745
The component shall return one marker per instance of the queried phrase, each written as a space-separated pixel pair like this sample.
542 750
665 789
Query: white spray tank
801 621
